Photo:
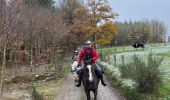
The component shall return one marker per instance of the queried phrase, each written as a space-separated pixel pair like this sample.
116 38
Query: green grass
115 50
49 88
44 87
164 90
165 54
120 49
159 50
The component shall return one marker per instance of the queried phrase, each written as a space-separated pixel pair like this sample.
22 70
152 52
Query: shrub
126 70
35 95
146 74
130 93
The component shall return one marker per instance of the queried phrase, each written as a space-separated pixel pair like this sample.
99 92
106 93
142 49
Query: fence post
123 59
114 56
103 56
109 59
108 50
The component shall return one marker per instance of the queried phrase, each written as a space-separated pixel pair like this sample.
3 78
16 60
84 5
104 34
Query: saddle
88 62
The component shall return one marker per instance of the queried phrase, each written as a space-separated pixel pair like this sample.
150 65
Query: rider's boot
102 80
100 75
78 82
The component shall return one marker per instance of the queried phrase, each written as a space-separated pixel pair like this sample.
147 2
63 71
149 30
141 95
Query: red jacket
82 54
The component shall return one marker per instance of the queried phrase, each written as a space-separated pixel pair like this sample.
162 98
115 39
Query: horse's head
89 67
90 80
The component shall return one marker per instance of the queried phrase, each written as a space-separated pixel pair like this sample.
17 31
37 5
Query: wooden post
123 59
103 56
115 60
109 59
108 50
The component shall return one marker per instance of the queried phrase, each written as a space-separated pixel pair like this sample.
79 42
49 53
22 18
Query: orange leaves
101 10
106 33
109 27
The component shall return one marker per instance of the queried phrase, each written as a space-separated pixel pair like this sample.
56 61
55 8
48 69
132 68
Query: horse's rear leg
88 94
95 94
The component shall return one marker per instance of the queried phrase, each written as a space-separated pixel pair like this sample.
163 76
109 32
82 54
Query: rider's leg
98 72
78 82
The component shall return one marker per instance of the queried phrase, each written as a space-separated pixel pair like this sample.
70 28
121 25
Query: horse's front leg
88 94
95 94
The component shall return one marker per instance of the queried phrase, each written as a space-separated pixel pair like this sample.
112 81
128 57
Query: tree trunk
3 64
30 32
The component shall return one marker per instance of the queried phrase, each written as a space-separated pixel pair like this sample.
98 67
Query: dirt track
69 92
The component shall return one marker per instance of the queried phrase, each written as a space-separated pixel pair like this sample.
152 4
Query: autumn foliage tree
106 33
101 12
75 17
32 32
29 31
86 19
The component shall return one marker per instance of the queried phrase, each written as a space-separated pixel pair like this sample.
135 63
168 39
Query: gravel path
69 92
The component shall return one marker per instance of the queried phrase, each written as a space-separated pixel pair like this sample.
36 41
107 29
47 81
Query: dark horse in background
138 45
90 80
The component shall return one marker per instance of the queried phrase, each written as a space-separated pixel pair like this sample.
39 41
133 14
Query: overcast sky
143 9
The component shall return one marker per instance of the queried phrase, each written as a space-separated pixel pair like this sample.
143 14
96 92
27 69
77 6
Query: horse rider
88 53
75 55
75 63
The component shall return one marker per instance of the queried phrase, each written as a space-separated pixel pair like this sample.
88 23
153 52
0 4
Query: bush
35 95
146 74
130 93
126 70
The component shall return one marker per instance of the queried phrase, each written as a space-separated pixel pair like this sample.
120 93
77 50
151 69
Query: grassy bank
47 89
159 51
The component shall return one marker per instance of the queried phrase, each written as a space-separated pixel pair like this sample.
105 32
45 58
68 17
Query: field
124 55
